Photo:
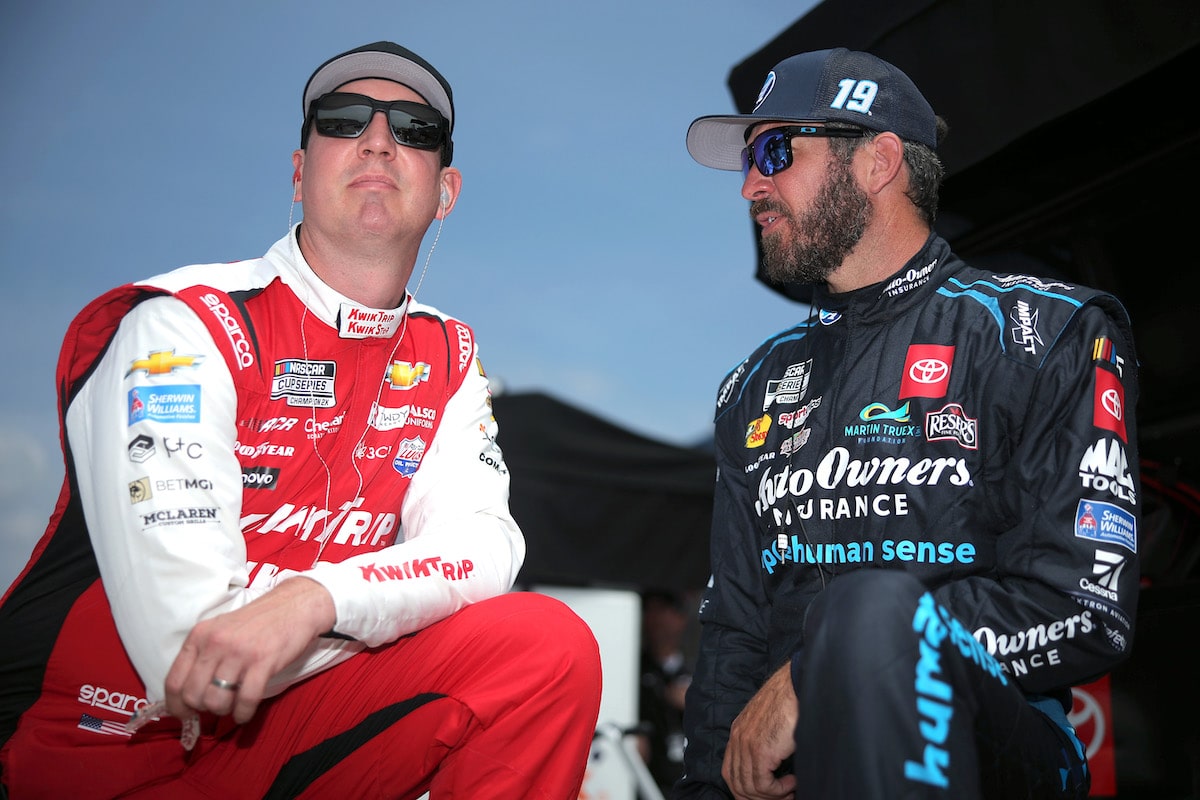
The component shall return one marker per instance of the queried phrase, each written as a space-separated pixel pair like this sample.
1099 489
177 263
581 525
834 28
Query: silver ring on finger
223 684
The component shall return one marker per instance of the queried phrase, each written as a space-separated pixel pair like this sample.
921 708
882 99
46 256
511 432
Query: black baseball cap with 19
389 61
836 85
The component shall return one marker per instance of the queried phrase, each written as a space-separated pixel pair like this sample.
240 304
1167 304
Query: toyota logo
1112 403
928 370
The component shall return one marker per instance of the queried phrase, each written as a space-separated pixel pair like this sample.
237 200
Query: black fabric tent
600 505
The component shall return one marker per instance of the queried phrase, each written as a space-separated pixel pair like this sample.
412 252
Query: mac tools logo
1105 468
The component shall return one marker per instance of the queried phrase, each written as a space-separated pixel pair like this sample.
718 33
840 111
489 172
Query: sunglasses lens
769 152
342 121
413 131
773 153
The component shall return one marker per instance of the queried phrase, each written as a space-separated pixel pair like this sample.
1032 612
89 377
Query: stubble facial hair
810 247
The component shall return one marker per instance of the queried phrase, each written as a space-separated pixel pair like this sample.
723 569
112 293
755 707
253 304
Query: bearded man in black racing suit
926 512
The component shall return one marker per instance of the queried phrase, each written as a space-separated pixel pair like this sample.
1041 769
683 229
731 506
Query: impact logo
309 384
756 431
405 375
927 370
1025 333
1105 522
731 382
791 388
952 423
162 362
164 403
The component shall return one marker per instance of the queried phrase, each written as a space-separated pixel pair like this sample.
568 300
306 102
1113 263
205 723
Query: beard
822 237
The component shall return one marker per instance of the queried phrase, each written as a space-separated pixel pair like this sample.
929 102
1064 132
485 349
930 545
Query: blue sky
596 261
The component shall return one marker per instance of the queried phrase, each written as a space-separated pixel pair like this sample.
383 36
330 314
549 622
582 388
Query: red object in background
1091 714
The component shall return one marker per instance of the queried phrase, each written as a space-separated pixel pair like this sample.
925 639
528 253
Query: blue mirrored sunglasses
771 150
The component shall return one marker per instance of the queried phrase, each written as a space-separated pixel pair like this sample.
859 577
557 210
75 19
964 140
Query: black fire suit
967 428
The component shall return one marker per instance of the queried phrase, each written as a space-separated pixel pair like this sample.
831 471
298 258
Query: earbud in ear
296 176
445 197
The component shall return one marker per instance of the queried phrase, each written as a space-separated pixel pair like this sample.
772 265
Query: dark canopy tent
1073 134
600 505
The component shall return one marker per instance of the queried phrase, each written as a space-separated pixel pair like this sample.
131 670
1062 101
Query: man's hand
226 662
761 737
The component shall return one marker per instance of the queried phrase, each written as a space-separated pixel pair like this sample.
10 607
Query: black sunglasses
771 151
345 116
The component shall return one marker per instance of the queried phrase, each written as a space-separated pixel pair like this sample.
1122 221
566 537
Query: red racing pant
499 700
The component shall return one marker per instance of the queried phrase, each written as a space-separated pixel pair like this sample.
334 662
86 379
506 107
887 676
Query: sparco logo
465 347
259 477
837 468
237 339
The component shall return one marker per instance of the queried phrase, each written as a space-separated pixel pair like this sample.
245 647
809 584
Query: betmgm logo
1106 574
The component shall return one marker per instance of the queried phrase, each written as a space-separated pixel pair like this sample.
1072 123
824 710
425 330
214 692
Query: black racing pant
898 700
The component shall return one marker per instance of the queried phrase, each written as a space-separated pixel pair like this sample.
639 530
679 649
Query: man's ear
885 157
297 175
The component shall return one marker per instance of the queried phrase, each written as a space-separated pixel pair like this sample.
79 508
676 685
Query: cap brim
388 66
718 141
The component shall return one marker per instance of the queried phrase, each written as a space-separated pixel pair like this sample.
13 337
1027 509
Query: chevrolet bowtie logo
162 362
405 374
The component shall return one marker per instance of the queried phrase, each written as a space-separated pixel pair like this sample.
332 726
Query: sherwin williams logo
1105 522
164 403
756 431
162 362
405 375
927 370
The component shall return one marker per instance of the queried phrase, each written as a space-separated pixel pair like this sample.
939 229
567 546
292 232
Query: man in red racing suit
239 432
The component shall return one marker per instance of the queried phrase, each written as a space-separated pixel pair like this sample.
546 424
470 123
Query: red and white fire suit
227 426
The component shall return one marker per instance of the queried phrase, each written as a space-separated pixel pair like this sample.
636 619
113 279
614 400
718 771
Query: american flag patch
97 725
